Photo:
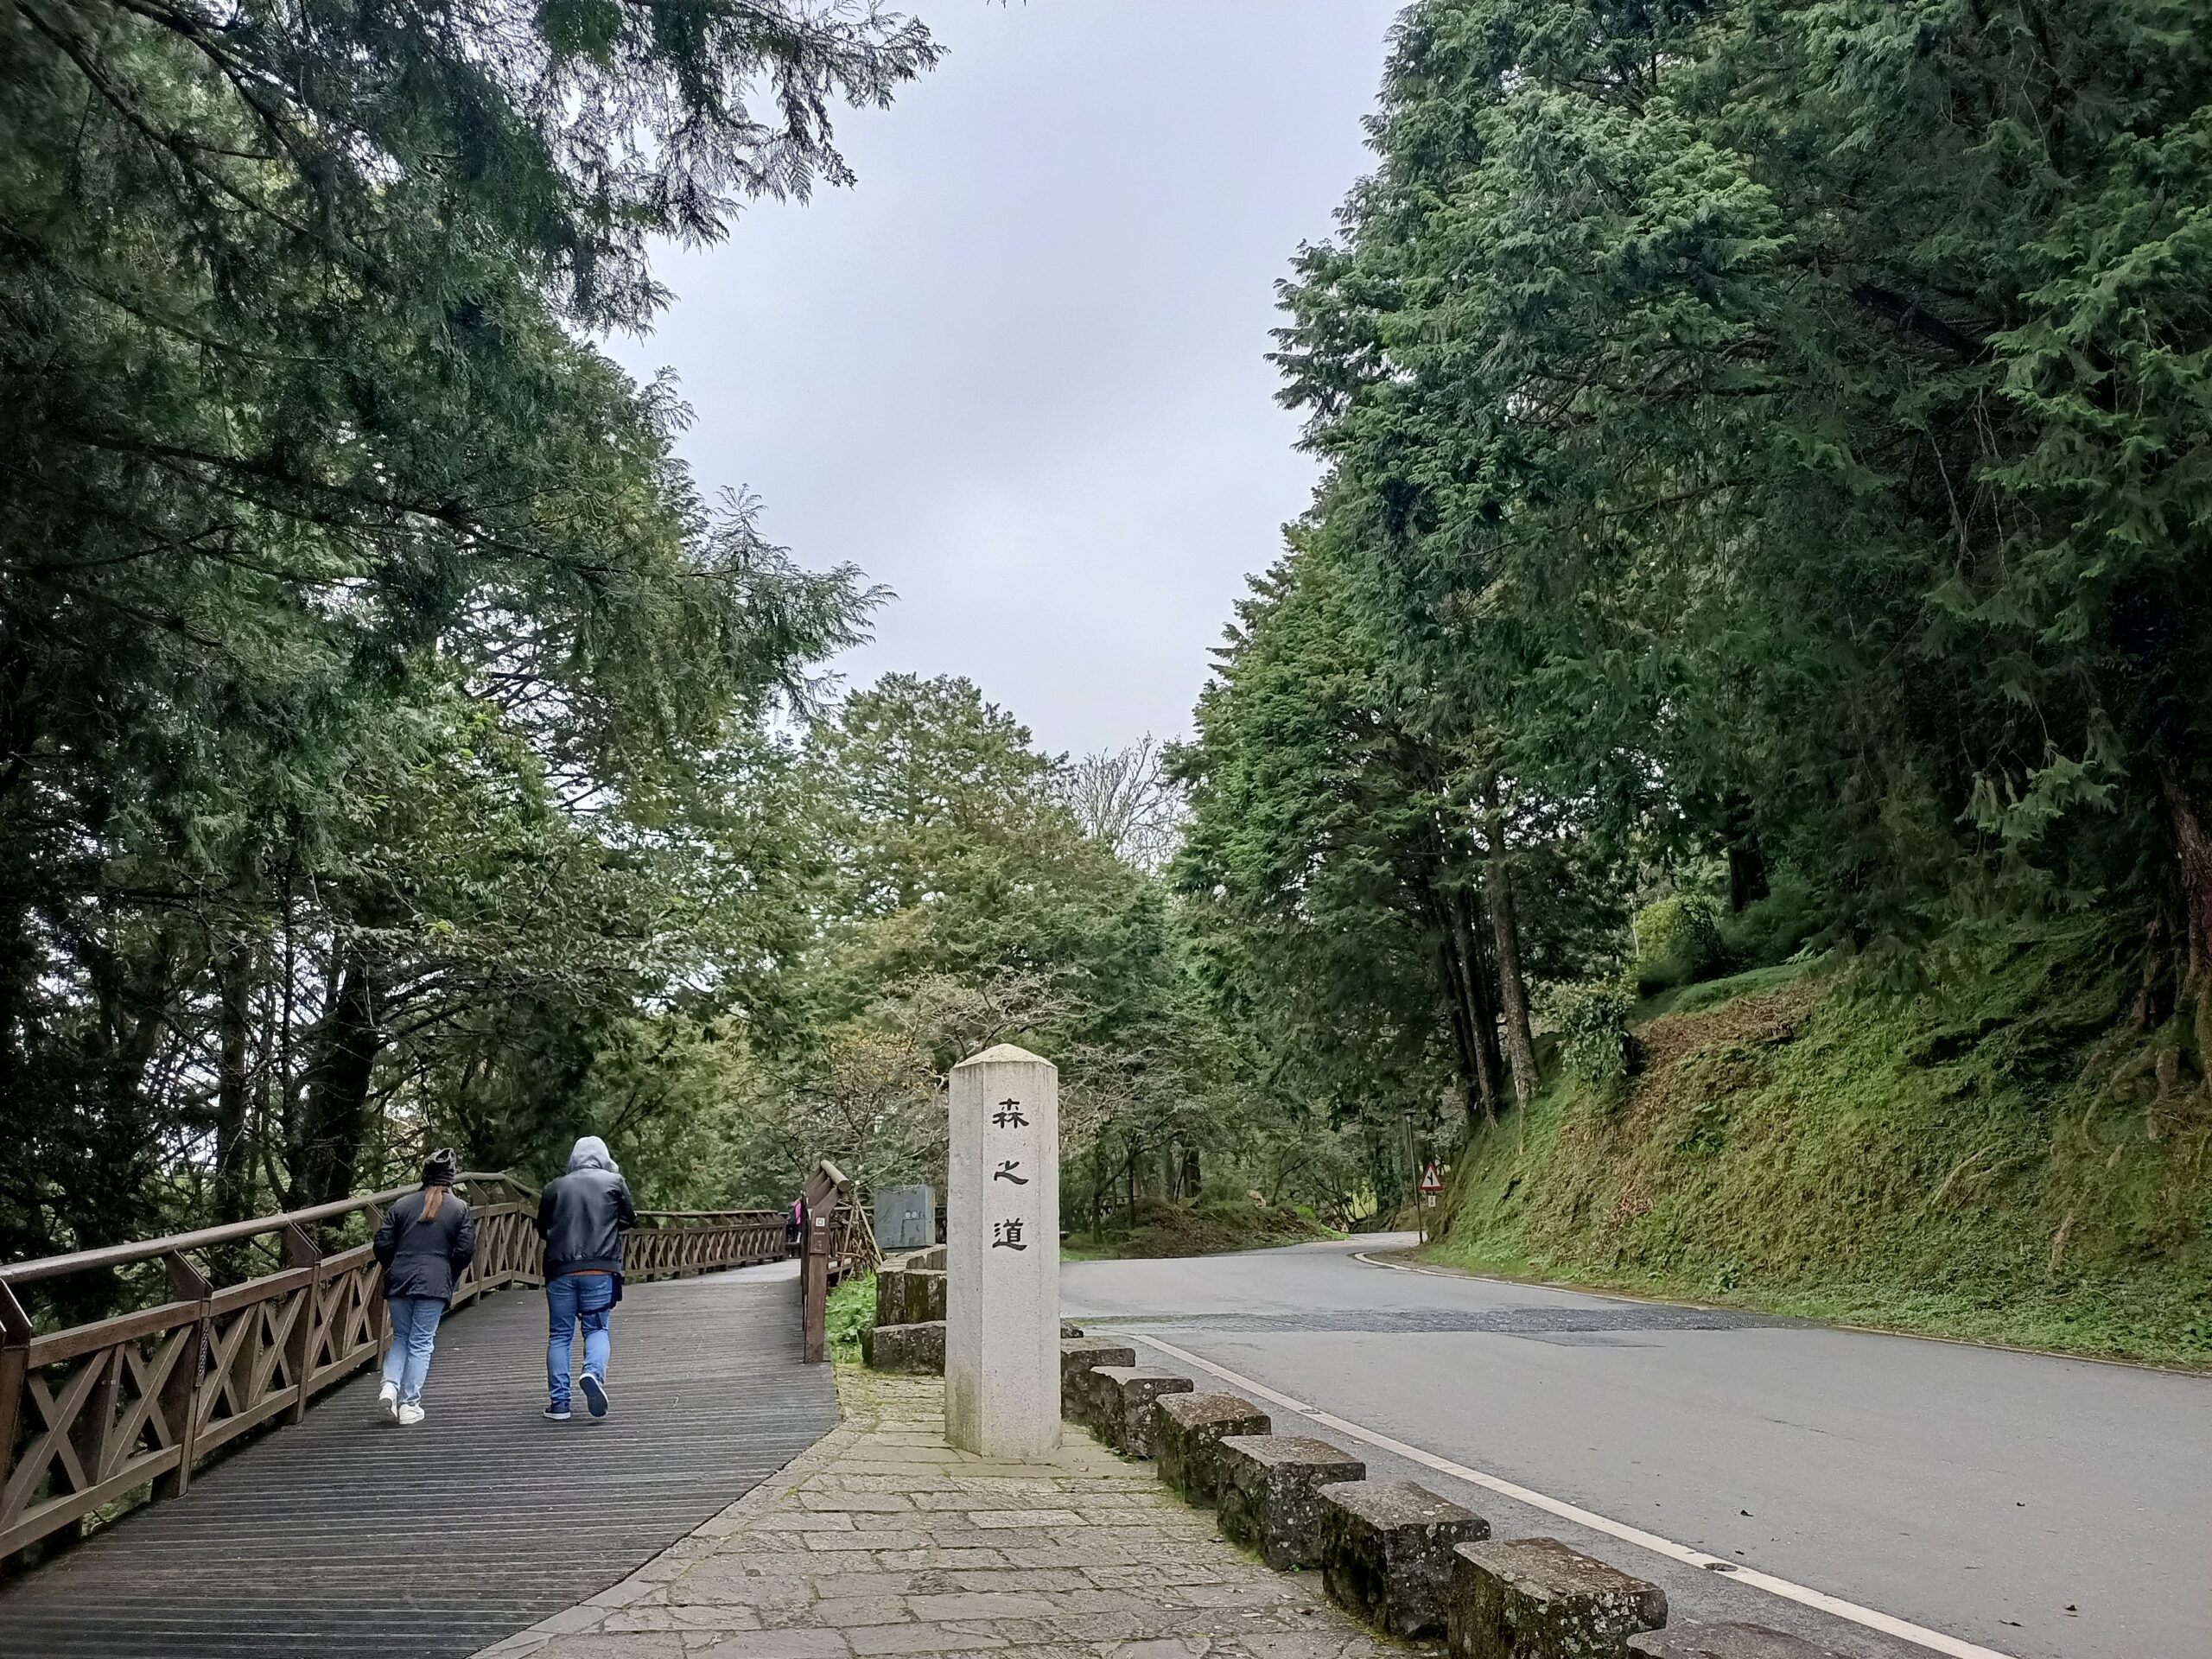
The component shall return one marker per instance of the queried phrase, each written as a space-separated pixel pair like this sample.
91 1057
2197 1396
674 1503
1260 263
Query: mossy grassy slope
1991 1154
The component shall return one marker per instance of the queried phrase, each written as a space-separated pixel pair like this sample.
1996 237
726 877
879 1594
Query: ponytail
438 1174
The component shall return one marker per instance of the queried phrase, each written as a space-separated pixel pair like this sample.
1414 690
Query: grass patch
1976 1155
1173 1230
850 1310
1712 992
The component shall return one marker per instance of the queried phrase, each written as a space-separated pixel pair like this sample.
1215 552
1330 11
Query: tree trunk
1746 876
1193 1182
2193 852
1747 882
1481 1004
1462 1031
338 1091
2154 991
1513 986
137 995
233 1154
19 976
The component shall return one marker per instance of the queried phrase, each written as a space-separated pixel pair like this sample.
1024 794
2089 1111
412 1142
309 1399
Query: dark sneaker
554 1413
595 1394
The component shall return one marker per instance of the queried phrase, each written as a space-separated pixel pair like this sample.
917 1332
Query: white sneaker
409 1416
388 1400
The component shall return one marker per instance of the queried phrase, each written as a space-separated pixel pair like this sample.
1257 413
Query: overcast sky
1018 372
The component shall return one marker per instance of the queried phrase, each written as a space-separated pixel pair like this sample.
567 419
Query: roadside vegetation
1728 754
1949 1158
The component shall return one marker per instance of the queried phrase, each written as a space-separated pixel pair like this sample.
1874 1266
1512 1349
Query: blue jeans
414 1332
588 1297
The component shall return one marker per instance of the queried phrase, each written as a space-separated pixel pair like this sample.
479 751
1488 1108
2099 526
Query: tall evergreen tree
357 624
1781 427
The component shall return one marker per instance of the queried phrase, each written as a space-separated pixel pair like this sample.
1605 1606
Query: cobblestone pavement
882 1541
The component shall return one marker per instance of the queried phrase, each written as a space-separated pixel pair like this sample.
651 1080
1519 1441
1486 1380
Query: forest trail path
346 1536
2032 1506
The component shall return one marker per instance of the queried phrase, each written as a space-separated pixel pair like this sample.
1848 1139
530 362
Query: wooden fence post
817 1273
15 1376
301 1250
180 1388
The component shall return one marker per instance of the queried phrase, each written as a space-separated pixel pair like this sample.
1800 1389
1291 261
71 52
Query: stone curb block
1725 1641
1188 1429
924 1296
1270 1494
1079 1396
1126 1394
1386 1553
890 1293
1536 1599
910 1350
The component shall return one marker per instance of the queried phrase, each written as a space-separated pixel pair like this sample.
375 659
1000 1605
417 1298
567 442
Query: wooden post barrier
837 1241
816 1266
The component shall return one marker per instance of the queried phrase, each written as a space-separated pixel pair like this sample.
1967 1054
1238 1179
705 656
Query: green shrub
1771 929
1594 1037
1678 943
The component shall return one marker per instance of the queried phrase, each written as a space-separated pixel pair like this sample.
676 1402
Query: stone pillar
1002 1235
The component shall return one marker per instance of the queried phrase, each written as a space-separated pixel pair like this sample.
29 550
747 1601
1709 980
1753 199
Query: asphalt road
2035 1507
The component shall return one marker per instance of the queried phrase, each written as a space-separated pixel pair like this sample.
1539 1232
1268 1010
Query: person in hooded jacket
582 1217
425 1243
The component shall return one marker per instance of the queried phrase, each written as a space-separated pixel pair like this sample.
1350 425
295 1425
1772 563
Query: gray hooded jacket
582 1215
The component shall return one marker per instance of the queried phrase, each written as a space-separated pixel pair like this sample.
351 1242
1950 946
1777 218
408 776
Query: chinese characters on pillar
1007 1234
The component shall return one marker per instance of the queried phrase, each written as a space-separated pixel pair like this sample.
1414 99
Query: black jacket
580 1217
423 1258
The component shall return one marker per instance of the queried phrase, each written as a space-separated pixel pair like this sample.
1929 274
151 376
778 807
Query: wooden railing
839 1240
90 1413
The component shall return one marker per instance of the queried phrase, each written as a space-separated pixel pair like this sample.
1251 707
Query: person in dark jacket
426 1242
582 1217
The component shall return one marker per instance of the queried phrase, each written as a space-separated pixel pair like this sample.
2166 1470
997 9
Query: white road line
1401 1266
1902 1629
1365 1260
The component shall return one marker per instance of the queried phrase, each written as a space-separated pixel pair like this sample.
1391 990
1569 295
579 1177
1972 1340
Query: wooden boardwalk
347 1536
